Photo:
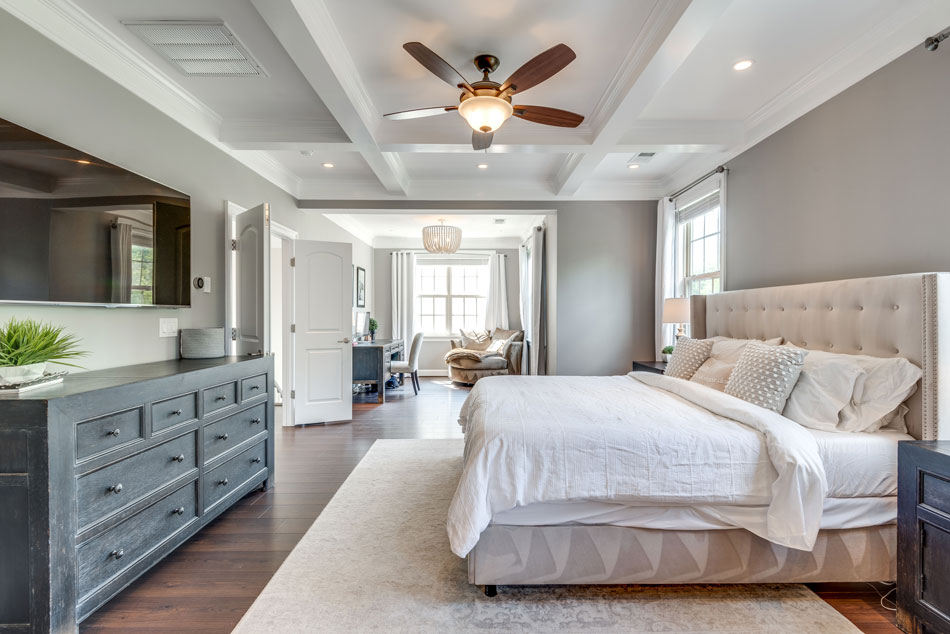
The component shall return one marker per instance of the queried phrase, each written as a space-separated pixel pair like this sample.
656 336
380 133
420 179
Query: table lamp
676 311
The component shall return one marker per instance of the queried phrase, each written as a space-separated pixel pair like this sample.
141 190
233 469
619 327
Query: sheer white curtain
533 303
404 271
496 308
121 262
665 269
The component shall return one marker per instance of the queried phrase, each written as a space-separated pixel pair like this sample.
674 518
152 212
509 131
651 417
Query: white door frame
287 236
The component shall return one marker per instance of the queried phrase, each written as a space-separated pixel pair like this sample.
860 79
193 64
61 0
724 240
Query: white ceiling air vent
499 221
204 48
642 157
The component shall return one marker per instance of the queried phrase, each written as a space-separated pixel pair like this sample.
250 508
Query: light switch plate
207 286
168 327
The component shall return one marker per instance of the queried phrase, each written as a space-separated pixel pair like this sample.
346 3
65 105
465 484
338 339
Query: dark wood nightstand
923 537
657 367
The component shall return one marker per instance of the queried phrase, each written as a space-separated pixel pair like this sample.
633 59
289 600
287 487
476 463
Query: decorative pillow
888 382
475 339
824 389
765 375
715 371
688 355
513 335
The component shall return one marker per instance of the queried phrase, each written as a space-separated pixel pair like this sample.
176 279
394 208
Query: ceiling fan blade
436 65
481 140
540 68
548 116
420 112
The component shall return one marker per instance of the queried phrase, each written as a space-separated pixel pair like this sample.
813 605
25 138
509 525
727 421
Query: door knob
344 340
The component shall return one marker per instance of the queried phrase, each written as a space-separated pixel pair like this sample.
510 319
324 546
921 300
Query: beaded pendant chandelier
441 238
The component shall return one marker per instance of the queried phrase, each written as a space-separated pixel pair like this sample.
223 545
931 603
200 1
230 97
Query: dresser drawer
107 555
935 492
253 386
108 432
173 411
233 430
219 397
228 477
107 490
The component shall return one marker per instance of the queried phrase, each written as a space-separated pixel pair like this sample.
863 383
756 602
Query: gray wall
858 187
433 350
606 259
109 122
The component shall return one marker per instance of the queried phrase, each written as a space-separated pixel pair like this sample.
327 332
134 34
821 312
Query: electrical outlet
207 284
168 327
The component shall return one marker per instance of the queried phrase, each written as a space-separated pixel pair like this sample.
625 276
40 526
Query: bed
765 501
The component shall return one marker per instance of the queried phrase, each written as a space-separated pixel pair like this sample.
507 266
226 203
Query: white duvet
641 437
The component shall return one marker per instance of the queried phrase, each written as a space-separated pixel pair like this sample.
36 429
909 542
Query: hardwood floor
209 582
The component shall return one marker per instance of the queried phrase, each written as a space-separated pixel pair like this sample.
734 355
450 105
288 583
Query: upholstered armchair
479 363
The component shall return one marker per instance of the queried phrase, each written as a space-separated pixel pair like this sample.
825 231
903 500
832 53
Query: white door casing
322 327
251 249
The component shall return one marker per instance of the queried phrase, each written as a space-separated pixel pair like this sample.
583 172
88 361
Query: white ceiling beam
236 132
308 34
661 49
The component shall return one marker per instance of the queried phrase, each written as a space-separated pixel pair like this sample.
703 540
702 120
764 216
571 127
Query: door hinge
293 261
234 334
234 245
293 393
293 327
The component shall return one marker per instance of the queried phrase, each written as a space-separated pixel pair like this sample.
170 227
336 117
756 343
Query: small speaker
202 343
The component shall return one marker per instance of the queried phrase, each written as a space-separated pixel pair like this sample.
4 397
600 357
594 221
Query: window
699 246
450 296
142 267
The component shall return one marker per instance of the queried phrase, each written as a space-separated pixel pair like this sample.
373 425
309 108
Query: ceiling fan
486 104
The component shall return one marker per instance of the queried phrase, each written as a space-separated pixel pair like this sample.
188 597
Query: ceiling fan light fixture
441 238
485 113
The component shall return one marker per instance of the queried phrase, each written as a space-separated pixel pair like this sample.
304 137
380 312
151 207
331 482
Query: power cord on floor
884 596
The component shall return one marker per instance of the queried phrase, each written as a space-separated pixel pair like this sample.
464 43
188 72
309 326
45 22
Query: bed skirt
579 554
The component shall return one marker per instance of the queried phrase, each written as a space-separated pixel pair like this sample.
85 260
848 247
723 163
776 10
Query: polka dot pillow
765 375
688 355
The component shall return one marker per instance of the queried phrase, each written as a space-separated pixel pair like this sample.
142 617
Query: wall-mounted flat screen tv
75 229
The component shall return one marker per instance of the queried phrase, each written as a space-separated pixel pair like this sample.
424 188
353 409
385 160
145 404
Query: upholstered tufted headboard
900 315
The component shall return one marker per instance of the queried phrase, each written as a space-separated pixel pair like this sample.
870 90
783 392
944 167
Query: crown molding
70 27
355 228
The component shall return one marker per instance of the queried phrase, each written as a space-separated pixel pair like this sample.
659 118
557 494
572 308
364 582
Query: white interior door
251 247
322 327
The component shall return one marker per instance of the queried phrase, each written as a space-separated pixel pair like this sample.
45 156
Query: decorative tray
48 378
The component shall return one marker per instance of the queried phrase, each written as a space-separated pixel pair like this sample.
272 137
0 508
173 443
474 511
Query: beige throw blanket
465 353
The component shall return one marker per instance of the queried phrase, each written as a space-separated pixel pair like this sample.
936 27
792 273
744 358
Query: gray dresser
105 474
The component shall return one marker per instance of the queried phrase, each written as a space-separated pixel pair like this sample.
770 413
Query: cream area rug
377 559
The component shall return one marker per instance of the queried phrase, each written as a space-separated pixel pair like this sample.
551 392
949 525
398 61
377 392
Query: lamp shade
441 238
676 310
485 114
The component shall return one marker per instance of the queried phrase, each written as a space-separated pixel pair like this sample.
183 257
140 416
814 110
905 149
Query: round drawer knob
255 421
116 488
115 433
179 458
222 436
255 461
223 482
117 554
177 412
179 511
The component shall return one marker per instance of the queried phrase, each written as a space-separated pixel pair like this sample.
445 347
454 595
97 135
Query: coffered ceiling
651 76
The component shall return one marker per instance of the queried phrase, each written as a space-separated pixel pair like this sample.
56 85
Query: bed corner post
697 317
936 357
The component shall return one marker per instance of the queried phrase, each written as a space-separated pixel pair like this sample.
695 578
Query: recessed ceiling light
743 64
633 166
482 166
328 165
83 162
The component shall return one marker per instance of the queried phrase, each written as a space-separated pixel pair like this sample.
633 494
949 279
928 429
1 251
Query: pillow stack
717 369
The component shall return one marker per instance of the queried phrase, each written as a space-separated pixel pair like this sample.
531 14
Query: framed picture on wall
360 287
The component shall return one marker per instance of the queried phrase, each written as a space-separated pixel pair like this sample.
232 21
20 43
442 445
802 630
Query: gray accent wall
859 186
606 262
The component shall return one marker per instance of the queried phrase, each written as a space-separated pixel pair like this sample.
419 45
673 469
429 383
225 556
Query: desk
371 361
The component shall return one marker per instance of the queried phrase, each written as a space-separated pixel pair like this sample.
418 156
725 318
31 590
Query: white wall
48 90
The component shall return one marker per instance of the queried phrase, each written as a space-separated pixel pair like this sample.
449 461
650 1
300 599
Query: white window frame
448 296
686 227
682 241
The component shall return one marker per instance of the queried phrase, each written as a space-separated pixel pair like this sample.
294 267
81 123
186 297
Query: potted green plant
373 327
667 353
27 346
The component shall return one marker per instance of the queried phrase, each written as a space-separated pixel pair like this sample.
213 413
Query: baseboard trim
434 372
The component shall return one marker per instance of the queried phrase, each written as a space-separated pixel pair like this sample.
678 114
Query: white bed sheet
860 464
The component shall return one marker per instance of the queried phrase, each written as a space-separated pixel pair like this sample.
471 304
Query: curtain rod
683 190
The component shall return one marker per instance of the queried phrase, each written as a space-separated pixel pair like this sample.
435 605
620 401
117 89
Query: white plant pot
667 357
14 374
